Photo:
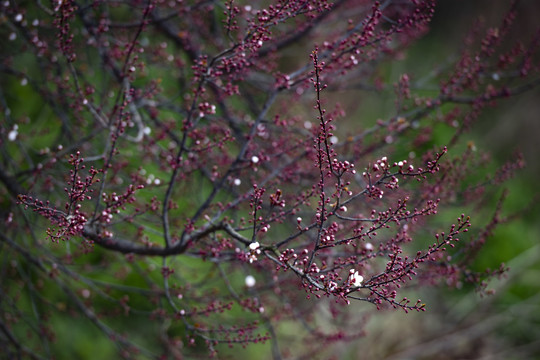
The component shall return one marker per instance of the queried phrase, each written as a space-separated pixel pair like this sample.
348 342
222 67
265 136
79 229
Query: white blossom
332 286
250 281
356 278
12 135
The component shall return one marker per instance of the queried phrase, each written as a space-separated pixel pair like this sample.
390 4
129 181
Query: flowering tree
192 175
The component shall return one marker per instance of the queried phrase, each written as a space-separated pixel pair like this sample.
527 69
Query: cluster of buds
206 109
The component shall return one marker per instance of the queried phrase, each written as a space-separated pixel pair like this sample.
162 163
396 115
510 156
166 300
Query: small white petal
250 281
12 135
